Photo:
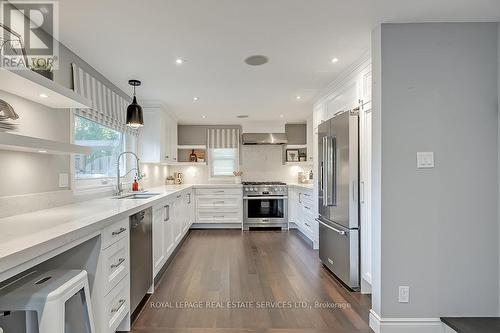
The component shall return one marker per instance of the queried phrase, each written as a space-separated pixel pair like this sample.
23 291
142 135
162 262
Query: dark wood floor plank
248 269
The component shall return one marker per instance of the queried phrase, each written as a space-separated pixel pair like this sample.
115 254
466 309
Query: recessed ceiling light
203 116
298 97
281 116
256 60
195 98
179 61
44 95
42 151
334 60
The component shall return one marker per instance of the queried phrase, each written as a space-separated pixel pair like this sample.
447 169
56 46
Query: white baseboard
405 325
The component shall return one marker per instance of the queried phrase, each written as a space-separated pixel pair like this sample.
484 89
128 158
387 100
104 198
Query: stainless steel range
265 204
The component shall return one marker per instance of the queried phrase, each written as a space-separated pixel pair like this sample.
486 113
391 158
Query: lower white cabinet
301 211
111 295
171 221
219 206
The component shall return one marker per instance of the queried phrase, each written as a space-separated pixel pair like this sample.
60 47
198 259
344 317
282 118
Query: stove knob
246 189
275 189
255 189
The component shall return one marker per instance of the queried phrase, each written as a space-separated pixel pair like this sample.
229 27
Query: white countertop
308 186
26 236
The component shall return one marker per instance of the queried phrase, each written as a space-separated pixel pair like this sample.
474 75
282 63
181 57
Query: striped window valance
223 138
108 107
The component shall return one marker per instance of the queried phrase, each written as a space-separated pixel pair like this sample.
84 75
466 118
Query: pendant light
134 110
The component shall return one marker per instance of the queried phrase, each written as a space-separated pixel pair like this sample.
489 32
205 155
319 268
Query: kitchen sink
138 196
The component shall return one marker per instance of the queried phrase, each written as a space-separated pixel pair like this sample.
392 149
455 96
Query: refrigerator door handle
325 171
340 232
330 157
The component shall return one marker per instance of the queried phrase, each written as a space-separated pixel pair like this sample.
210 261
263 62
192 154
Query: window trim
213 177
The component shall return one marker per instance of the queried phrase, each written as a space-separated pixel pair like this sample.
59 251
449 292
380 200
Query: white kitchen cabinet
293 199
157 141
219 206
159 237
169 228
310 141
110 295
301 211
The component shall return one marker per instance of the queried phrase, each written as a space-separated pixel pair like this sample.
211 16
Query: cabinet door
159 246
150 143
169 228
178 219
171 140
310 146
293 201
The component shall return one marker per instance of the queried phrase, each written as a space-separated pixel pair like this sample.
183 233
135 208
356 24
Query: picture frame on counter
292 155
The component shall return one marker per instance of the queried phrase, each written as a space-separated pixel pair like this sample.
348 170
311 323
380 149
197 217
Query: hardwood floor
250 269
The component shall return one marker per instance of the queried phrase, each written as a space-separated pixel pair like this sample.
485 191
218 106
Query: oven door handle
264 198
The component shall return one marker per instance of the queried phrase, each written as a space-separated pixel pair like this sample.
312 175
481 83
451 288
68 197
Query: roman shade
223 138
108 107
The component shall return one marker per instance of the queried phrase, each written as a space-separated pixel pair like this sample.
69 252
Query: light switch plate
63 180
404 294
425 159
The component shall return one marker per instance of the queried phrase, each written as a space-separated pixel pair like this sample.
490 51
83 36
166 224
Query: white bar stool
45 294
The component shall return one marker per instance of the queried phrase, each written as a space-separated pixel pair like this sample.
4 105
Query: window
106 145
223 161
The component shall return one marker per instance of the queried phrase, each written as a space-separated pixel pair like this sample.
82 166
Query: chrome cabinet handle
167 213
307 224
189 198
307 207
219 216
300 197
120 304
179 196
120 261
219 202
340 232
114 233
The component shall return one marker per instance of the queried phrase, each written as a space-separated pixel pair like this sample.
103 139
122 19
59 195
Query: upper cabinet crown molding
37 88
343 79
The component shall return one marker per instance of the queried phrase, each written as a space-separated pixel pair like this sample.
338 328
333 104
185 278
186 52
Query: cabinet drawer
306 197
219 217
114 233
223 201
116 306
115 263
218 191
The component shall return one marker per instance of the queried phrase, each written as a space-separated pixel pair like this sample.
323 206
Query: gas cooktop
262 183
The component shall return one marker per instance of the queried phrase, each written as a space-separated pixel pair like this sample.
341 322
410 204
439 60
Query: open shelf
15 142
191 147
189 163
30 85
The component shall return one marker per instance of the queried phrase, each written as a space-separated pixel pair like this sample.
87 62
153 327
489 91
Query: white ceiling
126 39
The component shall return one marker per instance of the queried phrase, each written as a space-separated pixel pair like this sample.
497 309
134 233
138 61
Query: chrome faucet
119 189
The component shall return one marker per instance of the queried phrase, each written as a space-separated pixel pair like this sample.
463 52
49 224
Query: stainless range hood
264 139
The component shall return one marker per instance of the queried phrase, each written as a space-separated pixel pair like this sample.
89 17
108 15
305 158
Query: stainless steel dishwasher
141 256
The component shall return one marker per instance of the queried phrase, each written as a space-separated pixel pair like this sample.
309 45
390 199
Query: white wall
258 163
24 173
435 89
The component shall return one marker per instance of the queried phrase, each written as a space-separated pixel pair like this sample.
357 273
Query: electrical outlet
404 294
425 160
63 180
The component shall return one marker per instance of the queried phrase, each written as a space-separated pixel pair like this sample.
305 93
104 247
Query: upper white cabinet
158 137
310 142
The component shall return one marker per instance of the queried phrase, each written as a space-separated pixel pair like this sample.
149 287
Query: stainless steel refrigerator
338 140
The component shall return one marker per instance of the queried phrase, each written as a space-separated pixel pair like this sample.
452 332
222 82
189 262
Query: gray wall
196 134
438 227
24 173
296 134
